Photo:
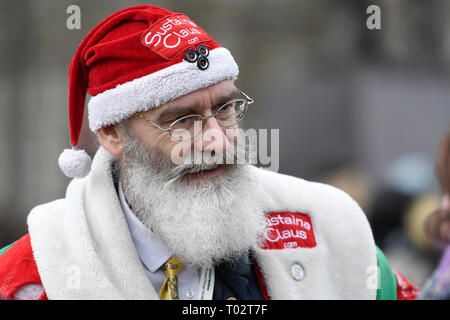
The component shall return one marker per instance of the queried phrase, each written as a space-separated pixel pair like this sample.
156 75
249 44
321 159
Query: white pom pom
75 163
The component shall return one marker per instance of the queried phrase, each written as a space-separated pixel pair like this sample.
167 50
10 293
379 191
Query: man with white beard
138 223
196 209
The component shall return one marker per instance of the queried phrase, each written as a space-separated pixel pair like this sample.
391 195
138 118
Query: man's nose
213 137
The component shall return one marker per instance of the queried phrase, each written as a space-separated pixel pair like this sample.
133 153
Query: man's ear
112 139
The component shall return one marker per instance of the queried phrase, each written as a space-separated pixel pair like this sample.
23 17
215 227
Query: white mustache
209 162
181 170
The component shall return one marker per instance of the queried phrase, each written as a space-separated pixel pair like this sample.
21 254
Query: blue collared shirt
153 253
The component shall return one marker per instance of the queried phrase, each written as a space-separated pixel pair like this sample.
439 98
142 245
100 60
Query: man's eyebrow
227 97
171 110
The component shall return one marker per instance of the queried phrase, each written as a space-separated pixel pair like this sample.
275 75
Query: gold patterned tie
169 290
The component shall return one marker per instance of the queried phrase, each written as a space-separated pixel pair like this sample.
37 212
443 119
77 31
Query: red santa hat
135 60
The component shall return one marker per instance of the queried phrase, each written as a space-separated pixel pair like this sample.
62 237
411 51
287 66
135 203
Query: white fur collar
340 265
81 244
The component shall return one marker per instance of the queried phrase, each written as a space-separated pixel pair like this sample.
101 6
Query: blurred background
364 110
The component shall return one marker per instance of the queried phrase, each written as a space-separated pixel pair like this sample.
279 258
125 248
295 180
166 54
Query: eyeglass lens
190 126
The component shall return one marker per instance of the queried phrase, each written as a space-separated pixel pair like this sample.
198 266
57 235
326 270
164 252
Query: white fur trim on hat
155 89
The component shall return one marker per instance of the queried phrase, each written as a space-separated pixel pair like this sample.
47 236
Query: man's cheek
181 152
232 134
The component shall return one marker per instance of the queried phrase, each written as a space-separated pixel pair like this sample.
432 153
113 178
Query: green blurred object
388 281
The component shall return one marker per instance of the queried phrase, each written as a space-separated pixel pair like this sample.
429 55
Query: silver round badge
297 272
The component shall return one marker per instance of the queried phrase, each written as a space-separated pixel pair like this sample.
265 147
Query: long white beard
217 220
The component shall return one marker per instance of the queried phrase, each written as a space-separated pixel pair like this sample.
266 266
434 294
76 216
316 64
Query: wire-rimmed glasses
227 115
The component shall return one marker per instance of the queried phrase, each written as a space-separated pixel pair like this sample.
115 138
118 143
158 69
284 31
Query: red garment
405 289
18 268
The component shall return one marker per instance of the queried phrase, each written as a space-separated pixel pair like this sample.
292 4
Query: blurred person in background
397 211
437 228
136 225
